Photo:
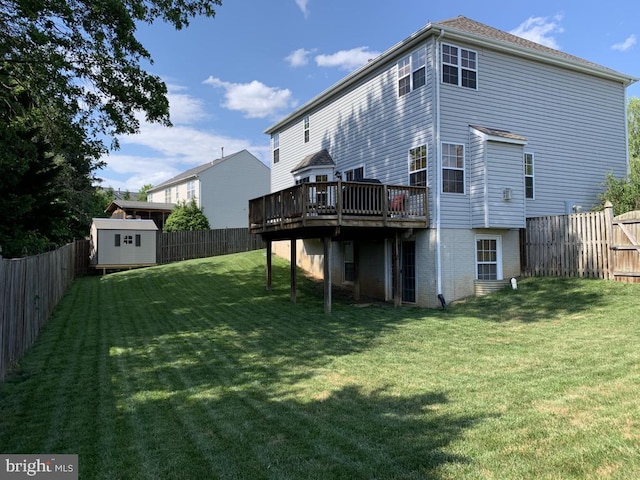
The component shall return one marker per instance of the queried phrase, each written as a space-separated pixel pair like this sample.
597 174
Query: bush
186 216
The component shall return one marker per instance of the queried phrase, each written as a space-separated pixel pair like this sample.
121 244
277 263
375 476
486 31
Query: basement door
407 272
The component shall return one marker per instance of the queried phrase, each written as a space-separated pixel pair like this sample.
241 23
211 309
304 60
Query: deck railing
334 202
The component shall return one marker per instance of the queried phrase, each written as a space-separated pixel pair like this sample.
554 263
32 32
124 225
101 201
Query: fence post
608 220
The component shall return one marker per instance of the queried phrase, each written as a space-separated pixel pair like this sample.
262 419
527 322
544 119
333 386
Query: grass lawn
193 371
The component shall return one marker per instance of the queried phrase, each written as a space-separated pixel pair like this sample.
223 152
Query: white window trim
464 169
533 175
275 146
344 173
498 240
426 167
306 122
412 69
459 66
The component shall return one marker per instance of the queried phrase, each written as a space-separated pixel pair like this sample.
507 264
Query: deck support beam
269 264
327 274
397 287
294 261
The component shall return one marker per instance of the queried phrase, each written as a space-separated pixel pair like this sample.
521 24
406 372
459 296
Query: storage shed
118 243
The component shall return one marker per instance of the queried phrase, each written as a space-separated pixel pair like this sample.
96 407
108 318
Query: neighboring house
221 188
495 127
118 243
158 212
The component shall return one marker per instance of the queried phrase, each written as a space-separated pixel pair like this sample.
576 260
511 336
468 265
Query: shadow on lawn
345 433
536 299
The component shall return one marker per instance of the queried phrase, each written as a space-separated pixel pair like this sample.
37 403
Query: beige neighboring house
221 188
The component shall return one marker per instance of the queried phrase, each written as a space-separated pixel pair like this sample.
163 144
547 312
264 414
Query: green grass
194 371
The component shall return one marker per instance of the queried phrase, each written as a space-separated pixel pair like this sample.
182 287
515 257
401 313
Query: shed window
128 240
138 240
117 240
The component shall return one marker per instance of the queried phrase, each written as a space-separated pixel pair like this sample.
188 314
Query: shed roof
124 224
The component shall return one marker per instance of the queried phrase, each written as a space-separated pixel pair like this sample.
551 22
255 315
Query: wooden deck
313 209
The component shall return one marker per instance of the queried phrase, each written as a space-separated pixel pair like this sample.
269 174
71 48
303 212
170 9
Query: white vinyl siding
367 125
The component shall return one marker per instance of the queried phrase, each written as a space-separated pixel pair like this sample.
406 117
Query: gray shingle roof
494 132
193 172
318 159
468 25
137 205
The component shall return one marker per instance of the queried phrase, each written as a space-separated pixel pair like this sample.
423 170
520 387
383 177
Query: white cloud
298 58
303 5
626 45
255 99
185 109
541 30
347 59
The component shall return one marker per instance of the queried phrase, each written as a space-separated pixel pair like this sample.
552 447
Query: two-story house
221 188
493 127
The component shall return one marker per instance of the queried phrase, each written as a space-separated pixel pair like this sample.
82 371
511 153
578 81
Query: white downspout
438 172
626 130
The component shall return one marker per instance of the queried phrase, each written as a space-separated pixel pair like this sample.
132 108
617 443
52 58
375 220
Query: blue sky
231 77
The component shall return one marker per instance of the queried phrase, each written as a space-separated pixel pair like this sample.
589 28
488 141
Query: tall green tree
186 216
71 76
624 193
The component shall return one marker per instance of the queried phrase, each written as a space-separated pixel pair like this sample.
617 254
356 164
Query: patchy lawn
193 371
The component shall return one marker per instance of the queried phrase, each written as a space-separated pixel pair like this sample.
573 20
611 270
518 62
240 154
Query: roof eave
453 34
354 77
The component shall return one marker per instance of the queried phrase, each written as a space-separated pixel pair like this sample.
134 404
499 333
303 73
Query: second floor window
167 195
191 189
412 71
275 144
459 66
528 175
306 129
418 166
452 168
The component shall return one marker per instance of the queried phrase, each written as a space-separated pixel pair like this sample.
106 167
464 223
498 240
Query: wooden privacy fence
591 245
30 288
178 246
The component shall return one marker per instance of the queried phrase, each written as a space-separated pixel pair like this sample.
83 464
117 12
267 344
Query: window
418 166
117 240
528 175
138 240
488 262
275 140
128 240
412 71
306 129
459 66
322 178
354 175
452 168
191 189
167 195
302 180
349 265
177 193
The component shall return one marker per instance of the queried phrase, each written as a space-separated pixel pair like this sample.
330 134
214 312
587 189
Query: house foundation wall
458 260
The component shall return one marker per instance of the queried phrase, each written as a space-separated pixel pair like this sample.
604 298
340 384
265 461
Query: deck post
327 274
356 270
397 287
294 261
608 218
269 263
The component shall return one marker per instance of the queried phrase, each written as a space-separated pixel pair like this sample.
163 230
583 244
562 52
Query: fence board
591 245
178 246
30 288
